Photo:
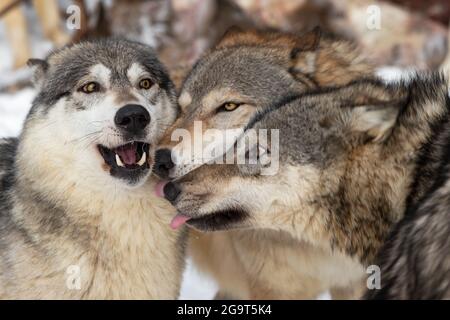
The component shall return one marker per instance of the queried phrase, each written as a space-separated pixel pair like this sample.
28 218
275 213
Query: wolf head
100 109
248 72
321 136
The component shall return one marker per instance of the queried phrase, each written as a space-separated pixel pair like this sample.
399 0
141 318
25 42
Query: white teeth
119 161
143 159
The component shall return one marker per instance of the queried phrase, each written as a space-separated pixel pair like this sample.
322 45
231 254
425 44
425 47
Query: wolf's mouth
133 155
219 220
127 161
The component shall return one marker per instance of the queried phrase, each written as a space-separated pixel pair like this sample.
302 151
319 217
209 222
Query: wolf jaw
218 220
130 161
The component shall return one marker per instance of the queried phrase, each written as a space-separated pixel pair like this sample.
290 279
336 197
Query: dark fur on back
415 261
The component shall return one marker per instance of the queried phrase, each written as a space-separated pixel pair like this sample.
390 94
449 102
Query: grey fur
258 75
69 64
415 261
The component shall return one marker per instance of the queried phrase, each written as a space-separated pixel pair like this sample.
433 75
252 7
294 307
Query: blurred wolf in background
16 24
353 160
77 215
245 73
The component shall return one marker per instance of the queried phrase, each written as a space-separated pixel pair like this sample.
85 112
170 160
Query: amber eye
90 87
230 106
145 84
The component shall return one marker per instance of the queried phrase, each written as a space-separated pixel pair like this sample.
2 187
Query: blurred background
398 35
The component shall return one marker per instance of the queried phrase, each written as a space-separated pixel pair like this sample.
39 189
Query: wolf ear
232 31
374 109
376 121
304 54
39 68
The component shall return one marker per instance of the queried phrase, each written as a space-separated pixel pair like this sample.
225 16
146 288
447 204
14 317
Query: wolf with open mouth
77 215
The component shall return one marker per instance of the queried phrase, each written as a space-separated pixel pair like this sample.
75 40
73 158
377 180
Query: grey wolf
353 160
252 71
75 188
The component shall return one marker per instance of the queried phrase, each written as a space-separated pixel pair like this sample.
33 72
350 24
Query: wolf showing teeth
77 214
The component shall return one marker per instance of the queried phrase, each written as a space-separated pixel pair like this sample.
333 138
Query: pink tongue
178 221
127 153
159 189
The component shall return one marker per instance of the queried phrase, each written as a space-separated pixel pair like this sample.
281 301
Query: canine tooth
143 159
119 161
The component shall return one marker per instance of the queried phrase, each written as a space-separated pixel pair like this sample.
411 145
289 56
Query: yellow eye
145 84
230 106
90 87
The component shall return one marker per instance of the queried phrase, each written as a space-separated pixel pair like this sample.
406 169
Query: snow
39 46
395 74
196 285
13 110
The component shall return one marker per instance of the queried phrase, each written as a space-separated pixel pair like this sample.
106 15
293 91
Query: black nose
133 118
171 191
163 163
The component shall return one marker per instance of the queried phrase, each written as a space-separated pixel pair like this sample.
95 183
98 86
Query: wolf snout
132 118
171 191
163 163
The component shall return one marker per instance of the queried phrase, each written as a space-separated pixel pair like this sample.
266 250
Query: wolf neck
112 210
122 241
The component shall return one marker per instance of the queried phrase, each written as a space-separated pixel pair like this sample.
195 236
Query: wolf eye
90 87
229 106
145 84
